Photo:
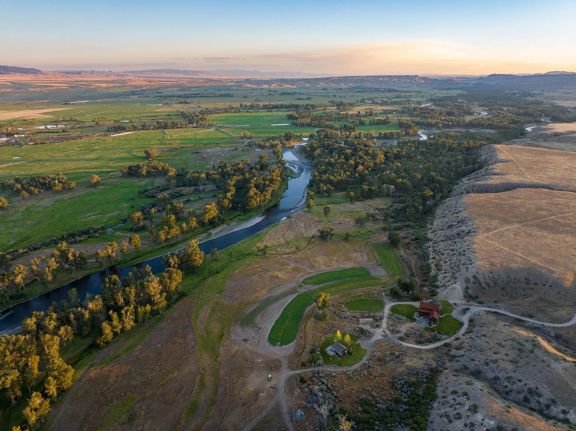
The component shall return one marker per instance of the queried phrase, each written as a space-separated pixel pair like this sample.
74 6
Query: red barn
429 310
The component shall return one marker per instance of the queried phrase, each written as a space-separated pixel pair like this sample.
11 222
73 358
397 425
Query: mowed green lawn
285 328
447 325
368 305
405 310
389 260
258 123
330 276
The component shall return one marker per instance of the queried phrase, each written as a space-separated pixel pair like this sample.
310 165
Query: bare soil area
534 165
29 114
148 386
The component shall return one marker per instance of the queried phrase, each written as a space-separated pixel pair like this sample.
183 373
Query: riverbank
86 283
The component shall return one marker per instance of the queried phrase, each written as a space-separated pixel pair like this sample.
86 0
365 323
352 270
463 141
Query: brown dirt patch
261 276
243 390
525 249
158 376
535 165
561 127
29 114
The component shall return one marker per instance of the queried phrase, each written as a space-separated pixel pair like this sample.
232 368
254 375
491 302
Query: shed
337 348
430 310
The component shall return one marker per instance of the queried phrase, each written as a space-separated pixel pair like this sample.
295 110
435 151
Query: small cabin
429 310
337 349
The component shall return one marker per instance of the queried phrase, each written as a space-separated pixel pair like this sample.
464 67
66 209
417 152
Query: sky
318 37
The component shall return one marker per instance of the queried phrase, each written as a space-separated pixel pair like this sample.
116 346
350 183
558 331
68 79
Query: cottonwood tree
135 241
3 203
192 255
95 180
210 213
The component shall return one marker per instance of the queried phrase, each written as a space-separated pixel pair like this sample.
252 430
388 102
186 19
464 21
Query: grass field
389 260
447 325
258 124
405 310
369 305
355 356
330 276
446 307
50 215
101 155
285 328
377 128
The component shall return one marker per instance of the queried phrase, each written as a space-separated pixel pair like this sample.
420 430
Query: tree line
34 372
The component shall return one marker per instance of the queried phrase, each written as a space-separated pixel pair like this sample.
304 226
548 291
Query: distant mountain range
539 82
556 80
6 70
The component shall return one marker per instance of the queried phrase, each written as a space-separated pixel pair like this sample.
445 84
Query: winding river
293 200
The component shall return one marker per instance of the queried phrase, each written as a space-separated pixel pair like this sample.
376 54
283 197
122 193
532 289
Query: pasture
258 124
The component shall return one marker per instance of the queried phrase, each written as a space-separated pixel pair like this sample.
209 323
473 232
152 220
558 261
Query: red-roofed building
429 310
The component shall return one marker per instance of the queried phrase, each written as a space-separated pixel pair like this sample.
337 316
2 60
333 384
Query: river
294 199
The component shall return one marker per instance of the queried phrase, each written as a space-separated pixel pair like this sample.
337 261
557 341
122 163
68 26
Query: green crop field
378 128
330 276
389 260
101 155
285 328
259 123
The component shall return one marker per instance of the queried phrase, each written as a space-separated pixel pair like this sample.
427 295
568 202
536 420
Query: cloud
412 57
425 56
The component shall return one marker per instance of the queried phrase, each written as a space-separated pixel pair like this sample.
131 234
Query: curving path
463 311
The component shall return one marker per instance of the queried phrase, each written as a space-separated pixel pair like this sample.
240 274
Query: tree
137 220
394 238
172 261
310 203
24 195
3 203
18 275
326 210
210 212
326 233
106 336
37 408
344 423
322 300
338 335
123 247
135 241
192 255
347 340
95 180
